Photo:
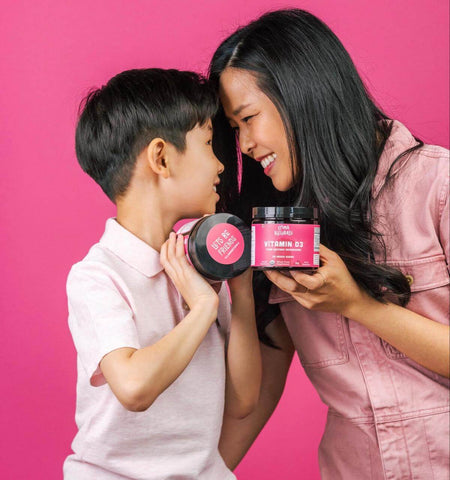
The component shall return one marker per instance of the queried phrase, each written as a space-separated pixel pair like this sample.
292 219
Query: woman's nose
246 142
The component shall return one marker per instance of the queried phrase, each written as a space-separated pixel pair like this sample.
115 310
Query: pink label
225 243
291 245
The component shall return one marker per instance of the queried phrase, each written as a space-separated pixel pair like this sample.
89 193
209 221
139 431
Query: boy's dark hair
120 119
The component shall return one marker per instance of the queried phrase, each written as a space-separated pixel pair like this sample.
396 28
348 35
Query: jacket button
409 279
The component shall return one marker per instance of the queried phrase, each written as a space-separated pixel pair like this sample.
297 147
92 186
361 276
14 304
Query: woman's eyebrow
239 109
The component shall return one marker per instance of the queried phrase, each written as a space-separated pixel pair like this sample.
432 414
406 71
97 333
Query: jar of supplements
218 246
285 238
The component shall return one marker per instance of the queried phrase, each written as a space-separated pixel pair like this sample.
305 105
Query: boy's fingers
167 258
163 254
171 253
179 248
181 254
171 246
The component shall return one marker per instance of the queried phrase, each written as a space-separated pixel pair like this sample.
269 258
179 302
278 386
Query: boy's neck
145 220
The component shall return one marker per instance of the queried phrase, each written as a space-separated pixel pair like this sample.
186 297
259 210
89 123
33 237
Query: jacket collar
399 141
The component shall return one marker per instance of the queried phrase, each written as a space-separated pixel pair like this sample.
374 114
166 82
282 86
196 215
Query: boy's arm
243 353
238 434
137 377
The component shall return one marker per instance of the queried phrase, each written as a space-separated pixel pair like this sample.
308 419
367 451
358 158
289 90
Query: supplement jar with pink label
218 246
285 238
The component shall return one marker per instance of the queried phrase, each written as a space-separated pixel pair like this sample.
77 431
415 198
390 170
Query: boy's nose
221 166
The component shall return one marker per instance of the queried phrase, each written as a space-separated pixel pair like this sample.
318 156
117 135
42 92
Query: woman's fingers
289 285
311 282
327 255
300 282
331 288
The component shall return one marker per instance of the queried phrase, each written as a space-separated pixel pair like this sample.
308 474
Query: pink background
51 53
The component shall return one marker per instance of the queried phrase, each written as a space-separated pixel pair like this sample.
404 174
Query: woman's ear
157 157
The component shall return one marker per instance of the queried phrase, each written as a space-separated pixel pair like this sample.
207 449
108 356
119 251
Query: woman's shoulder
401 139
408 164
433 156
427 167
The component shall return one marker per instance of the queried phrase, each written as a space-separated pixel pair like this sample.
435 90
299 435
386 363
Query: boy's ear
157 157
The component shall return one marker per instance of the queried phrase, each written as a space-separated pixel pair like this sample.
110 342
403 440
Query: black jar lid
200 256
280 213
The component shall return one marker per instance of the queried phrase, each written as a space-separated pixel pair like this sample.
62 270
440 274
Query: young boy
154 376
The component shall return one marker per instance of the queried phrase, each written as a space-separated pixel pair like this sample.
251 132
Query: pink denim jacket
388 417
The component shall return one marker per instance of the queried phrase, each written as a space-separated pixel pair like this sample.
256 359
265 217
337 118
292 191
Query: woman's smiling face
262 135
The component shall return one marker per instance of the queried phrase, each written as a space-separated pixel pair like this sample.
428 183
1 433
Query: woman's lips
268 168
267 162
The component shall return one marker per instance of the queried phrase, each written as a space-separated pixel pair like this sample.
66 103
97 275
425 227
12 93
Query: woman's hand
192 286
330 289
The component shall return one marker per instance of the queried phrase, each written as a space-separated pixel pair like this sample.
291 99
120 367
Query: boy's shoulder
117 253
97 255
99 265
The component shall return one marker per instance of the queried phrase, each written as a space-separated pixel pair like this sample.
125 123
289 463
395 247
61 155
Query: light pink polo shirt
120 296
388 417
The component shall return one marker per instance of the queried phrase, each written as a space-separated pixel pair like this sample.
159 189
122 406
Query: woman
371 325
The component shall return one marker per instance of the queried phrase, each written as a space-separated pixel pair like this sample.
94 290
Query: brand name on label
283 230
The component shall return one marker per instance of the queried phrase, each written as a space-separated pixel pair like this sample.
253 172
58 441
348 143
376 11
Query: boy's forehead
206 126
201 130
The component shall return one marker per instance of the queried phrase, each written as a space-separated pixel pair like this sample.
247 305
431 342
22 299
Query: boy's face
195 175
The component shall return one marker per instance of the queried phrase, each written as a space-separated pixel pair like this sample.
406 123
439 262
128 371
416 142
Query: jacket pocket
429 281
318 337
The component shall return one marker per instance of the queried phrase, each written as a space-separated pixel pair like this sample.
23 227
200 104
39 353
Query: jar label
285 245
225 243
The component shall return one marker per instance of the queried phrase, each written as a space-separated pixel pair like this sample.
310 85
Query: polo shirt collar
131 249
399 141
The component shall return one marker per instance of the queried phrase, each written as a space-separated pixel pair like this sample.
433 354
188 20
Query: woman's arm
243 359
239 434
423 340
333 289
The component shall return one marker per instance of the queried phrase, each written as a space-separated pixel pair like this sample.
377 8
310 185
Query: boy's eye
209 142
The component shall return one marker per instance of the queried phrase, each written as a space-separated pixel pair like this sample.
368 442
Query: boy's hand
193 287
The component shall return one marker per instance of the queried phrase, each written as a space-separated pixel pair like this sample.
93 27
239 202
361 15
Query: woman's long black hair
336 135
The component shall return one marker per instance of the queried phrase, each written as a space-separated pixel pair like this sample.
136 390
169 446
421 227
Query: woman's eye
209 142
246 119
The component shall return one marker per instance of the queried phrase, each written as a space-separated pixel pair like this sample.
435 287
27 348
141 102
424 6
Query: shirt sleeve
100 317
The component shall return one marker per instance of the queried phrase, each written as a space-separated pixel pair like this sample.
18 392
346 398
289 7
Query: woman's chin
282 185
